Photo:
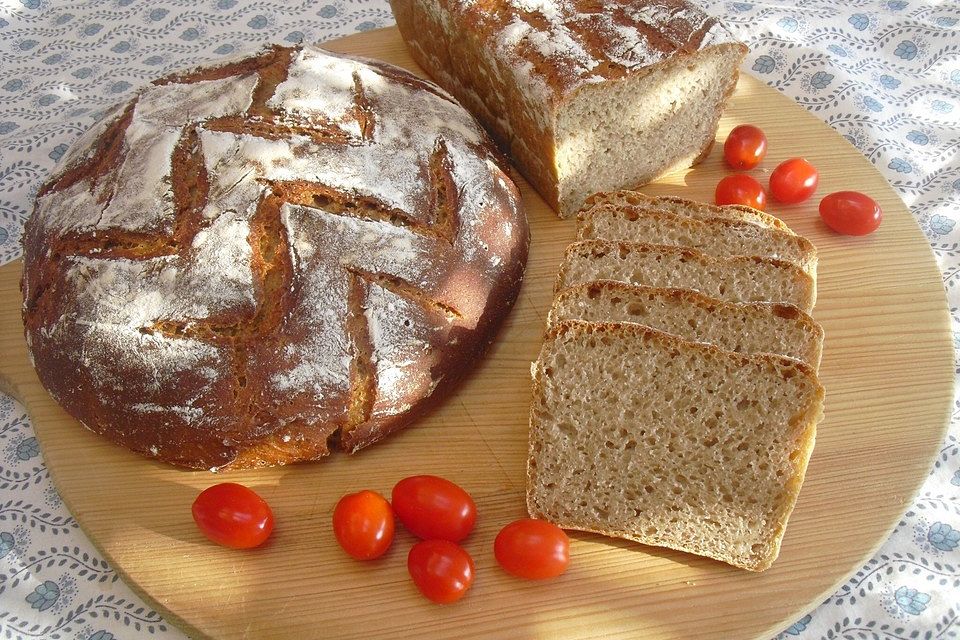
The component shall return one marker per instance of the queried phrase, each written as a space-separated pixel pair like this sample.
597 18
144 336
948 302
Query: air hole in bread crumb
743 446
710 442
630 444
636 309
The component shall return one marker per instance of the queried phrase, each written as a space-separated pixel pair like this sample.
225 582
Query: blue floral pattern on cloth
884 73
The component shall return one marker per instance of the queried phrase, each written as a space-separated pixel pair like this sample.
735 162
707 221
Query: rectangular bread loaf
622 444
585 95
682 206
735 279
745 327
714 236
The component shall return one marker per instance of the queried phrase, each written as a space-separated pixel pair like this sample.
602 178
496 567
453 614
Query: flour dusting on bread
282 249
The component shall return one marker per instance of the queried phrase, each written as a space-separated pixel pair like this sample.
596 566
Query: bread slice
712 235
638 434
735 279
681 206
754 327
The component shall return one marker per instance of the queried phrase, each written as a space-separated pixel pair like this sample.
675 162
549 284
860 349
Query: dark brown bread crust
331 317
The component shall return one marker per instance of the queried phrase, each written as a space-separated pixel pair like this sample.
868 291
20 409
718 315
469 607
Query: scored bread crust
809 352
593 249
253 263
719 236
626 199
806 420
516 65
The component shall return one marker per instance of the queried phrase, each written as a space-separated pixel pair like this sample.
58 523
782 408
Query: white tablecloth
884 74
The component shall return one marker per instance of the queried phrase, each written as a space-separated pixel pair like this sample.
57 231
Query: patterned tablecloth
885 74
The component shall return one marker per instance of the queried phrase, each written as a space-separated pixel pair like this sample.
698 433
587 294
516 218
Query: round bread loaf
254 263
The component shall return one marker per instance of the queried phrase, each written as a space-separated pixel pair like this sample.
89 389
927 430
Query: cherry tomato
431 507
532 549
233 515
363 524
441 569
745 147
741 189
851 213
794 180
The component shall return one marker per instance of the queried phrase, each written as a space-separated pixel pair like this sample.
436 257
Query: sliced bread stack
676 395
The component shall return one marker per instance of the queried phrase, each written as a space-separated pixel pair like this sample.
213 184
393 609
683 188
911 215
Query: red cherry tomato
745 147
233 515
434 508
441 569
532 549
794 180
741 189
851 213
363 524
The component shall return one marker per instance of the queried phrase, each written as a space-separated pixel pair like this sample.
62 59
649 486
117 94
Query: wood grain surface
887 368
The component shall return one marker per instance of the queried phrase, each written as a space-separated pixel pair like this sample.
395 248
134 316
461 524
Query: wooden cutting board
887 368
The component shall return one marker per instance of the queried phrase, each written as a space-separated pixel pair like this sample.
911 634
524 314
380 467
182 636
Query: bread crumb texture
638 434
731 278
758 327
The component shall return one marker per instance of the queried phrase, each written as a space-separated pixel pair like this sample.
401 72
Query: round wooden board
887 368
